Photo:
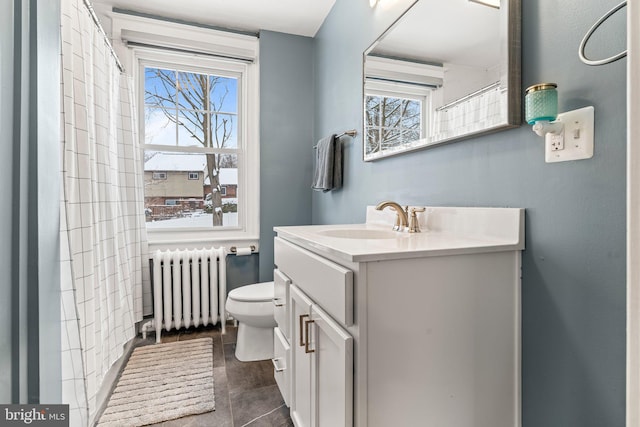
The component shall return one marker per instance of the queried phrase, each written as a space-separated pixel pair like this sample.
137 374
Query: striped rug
163 382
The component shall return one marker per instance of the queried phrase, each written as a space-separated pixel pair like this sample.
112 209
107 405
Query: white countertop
446 231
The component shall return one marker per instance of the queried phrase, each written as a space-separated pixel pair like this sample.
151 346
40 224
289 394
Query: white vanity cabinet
407 330
321 350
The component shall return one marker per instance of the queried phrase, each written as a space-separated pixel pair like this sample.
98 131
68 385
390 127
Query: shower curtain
102 230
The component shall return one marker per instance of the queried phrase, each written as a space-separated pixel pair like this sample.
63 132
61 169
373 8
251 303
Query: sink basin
359 233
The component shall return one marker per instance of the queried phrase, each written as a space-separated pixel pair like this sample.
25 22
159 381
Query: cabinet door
300 399
331 372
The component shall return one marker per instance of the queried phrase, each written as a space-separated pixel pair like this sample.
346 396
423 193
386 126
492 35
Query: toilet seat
258 292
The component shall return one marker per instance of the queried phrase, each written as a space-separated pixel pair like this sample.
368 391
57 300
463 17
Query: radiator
189 288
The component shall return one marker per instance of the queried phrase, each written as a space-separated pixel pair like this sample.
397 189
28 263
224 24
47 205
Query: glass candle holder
541 103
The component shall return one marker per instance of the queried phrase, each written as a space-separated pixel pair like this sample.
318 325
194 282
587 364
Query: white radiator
189 288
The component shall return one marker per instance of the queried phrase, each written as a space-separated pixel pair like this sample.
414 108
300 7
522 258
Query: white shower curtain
102 220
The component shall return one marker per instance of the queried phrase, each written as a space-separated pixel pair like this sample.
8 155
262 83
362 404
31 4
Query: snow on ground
197 220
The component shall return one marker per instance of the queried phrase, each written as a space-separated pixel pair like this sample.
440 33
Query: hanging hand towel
337 164
324 170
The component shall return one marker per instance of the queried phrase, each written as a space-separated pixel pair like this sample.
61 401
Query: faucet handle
414 227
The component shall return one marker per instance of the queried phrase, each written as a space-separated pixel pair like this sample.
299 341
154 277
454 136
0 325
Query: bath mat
163 382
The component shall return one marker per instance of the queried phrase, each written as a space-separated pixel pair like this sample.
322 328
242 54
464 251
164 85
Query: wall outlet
575 141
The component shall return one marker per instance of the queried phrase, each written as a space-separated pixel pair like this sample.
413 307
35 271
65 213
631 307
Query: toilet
252 307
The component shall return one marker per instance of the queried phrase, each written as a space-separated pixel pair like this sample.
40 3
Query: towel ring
584 41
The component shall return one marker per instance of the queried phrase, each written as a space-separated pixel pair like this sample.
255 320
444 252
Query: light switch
575 142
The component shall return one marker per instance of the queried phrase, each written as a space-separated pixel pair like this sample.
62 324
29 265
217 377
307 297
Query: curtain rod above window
192 52
93 15
487 88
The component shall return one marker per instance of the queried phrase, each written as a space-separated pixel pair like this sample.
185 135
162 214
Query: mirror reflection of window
398 98
394 116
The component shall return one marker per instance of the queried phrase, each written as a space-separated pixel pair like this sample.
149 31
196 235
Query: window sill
194 238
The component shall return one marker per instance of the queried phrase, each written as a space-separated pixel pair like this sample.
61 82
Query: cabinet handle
302 340
277 303
308 334
275 364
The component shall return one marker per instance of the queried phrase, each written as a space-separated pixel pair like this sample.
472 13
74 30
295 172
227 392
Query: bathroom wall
6 169
573 276
30 119
286 120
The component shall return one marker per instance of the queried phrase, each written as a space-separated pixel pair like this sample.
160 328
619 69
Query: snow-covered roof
176 162
228 176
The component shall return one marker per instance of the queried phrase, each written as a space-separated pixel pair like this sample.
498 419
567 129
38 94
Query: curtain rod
406 82
471 95
189 51
93 15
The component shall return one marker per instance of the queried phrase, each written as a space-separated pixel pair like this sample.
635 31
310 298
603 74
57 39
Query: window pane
373 141
159 87
372 109
391 138
223 94
411 135
159 126
224 131
191 125
192 91
218 202
391 112
180 201
411 114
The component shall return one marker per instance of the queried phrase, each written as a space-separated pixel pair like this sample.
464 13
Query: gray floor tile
250 406
247 375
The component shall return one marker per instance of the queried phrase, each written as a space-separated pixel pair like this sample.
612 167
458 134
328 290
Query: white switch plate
577 141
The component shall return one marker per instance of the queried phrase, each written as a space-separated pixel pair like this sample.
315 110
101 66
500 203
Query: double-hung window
199 130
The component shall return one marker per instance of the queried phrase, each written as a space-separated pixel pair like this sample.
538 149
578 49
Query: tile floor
246 393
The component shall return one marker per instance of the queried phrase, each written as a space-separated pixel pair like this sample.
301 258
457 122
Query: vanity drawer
280 300
281 358
327 283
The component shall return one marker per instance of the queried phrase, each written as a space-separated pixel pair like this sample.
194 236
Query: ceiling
426 33
300 17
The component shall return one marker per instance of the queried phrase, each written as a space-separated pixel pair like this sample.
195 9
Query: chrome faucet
401 215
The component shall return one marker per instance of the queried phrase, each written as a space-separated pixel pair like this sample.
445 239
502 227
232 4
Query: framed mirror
446 70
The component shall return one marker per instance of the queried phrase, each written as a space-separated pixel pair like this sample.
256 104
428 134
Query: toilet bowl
252 307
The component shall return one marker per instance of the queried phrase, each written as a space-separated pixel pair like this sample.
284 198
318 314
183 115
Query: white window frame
193 176
158 176
247 231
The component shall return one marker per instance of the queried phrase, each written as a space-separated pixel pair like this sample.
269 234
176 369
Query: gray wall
286 120
573 285
30 370
6 122
44 196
